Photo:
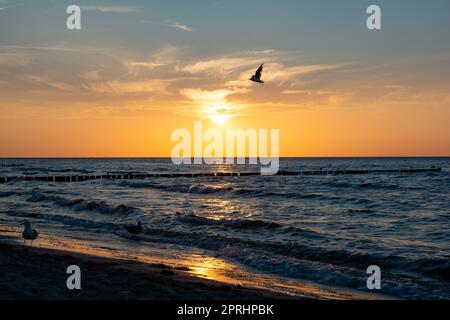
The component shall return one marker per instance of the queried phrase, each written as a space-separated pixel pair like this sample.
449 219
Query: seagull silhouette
257 76
134 229
29 233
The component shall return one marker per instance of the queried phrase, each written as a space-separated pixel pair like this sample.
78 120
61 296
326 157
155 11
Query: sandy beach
38 272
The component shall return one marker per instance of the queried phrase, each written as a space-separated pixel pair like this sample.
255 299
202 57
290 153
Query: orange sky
105 92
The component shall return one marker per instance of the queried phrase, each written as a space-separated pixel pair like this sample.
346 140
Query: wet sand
39 273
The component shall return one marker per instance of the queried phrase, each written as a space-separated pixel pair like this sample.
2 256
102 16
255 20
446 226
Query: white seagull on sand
257 76
29 233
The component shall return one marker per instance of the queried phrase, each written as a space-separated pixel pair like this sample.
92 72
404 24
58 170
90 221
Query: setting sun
219 113
219 118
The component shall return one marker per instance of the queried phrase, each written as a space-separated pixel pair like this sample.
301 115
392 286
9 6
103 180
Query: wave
344 184
370 185
332 267
32 170
203 189
82 204
330 274
5 194
192 218
437 267
199 189
66 220
182 188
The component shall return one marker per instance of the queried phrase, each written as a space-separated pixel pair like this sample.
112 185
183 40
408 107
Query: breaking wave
203 189
82 204
192 218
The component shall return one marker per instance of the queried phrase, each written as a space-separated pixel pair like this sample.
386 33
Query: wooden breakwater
129 176
11 165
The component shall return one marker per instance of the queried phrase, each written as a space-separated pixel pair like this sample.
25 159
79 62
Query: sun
219 118
219 113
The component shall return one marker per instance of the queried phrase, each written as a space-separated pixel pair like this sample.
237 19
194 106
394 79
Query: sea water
326 229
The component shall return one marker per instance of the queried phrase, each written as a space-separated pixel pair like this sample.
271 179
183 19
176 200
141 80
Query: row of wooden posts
129 176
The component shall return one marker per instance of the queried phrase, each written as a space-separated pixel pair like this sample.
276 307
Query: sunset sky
138 70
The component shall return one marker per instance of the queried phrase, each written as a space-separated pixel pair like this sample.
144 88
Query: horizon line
282 157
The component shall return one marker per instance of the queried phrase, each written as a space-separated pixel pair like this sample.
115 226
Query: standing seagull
257 76
134 229
29 233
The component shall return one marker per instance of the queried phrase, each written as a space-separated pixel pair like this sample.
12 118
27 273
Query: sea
321 229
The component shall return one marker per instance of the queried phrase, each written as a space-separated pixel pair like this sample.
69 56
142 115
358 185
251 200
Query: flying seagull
134 229
257 76
29 233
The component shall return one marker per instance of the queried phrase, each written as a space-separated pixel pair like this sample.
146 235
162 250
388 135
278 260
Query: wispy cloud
164 57
45 80
171 24
14 58
177 25
394 86
10 6
148 65
91 76
279 73
220 66
307 92
131 87
206 96
112 9
264 51
212 102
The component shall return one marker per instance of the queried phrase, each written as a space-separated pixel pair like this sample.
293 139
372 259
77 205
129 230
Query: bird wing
259 71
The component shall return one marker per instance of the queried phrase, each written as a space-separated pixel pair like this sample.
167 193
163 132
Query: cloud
189 85
106 87
220 66
339 99
128 87
177 25
160 63
171 24
143 64
14 58
246 63
10 6
307 92
112 9
63 86
205 96
37 78
264 51
165 56
212 103
91 76
394 86
45 80
277 72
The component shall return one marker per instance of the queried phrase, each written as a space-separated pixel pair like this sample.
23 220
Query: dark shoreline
40 274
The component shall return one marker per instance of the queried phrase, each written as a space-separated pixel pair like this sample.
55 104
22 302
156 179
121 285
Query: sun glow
219 118
219 113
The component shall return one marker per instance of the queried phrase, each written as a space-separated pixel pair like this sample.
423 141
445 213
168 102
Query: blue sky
331 29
